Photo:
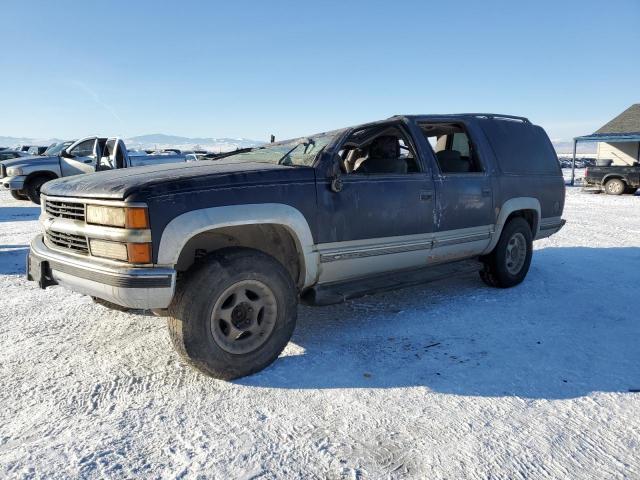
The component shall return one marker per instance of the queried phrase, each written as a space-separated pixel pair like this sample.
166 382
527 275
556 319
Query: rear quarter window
521 148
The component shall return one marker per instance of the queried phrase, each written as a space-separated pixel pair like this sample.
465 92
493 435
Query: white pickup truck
24 176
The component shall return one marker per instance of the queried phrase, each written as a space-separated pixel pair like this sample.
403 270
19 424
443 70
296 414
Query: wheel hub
244 316
516 253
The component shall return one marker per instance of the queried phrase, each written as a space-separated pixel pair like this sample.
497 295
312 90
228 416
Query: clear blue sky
241 68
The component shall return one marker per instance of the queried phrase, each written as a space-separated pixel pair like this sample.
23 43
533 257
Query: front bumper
141 287
13 183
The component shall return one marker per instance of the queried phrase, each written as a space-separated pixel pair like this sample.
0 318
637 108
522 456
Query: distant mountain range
564 148
153 141
160 140
224 144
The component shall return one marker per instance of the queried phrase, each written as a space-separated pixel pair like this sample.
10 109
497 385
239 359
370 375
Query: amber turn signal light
136 217
139 252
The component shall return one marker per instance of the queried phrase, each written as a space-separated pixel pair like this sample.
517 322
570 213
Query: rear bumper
13 183
143 287
549 226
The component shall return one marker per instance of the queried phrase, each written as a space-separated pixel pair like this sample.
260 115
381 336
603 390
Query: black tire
193 329
497 272
32 189
615 186
18 195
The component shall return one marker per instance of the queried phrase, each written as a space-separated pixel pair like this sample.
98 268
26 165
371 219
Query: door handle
486 192
426 195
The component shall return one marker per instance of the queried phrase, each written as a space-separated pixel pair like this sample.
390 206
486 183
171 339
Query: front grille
70 241
74 211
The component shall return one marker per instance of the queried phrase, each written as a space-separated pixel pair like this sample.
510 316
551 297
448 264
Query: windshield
56 148
299 152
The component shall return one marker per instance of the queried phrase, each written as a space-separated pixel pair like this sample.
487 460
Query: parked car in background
8 154
25 176
613 179
32 149
227 248
36 150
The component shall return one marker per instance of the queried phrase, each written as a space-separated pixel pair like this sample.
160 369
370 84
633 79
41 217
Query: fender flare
510 206
610 176
186 226
41 173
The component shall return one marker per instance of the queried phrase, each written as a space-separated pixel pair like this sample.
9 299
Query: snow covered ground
448 380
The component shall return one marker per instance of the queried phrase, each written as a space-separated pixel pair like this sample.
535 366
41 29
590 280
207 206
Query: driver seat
384 157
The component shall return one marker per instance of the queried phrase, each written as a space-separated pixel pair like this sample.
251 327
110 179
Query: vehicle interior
112 156
453 150
382 149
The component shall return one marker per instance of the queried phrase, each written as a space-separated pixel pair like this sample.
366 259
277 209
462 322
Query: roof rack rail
497 116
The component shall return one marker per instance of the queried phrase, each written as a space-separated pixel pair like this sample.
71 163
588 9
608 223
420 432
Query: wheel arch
276 229
614 176
526 207
40 174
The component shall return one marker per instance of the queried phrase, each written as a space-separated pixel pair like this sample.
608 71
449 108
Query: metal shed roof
610 137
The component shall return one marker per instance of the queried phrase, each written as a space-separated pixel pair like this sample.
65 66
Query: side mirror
66 154
335 172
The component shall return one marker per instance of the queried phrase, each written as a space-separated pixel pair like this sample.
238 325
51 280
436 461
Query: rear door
463 194
81 157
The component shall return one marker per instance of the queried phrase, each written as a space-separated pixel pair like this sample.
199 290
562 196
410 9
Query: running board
330 293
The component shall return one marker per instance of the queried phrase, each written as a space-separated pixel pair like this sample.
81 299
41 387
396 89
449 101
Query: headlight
128 252
126 217
14 172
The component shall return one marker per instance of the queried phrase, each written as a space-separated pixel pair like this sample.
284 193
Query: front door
382 218
81 157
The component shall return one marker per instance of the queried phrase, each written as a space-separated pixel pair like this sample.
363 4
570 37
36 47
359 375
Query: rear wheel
33 187
19 195
234 313
615 186
507 265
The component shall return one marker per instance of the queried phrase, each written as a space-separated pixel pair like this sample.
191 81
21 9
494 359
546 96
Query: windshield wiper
235 152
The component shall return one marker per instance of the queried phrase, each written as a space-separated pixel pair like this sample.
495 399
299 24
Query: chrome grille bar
76 243
74 211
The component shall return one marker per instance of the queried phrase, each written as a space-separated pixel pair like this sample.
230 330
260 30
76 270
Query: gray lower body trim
342 261
347 254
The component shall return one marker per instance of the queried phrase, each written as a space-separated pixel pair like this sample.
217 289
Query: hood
143 182
16 162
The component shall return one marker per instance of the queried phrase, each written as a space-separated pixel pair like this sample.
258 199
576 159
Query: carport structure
618 138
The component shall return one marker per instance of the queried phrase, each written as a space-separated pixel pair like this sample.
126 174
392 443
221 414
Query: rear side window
453 150
460 142
521 148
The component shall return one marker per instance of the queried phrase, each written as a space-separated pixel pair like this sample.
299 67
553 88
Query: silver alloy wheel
516 253
244 316
615 187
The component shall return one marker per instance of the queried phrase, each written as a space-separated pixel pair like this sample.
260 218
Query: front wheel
234 313
507 265
32 188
